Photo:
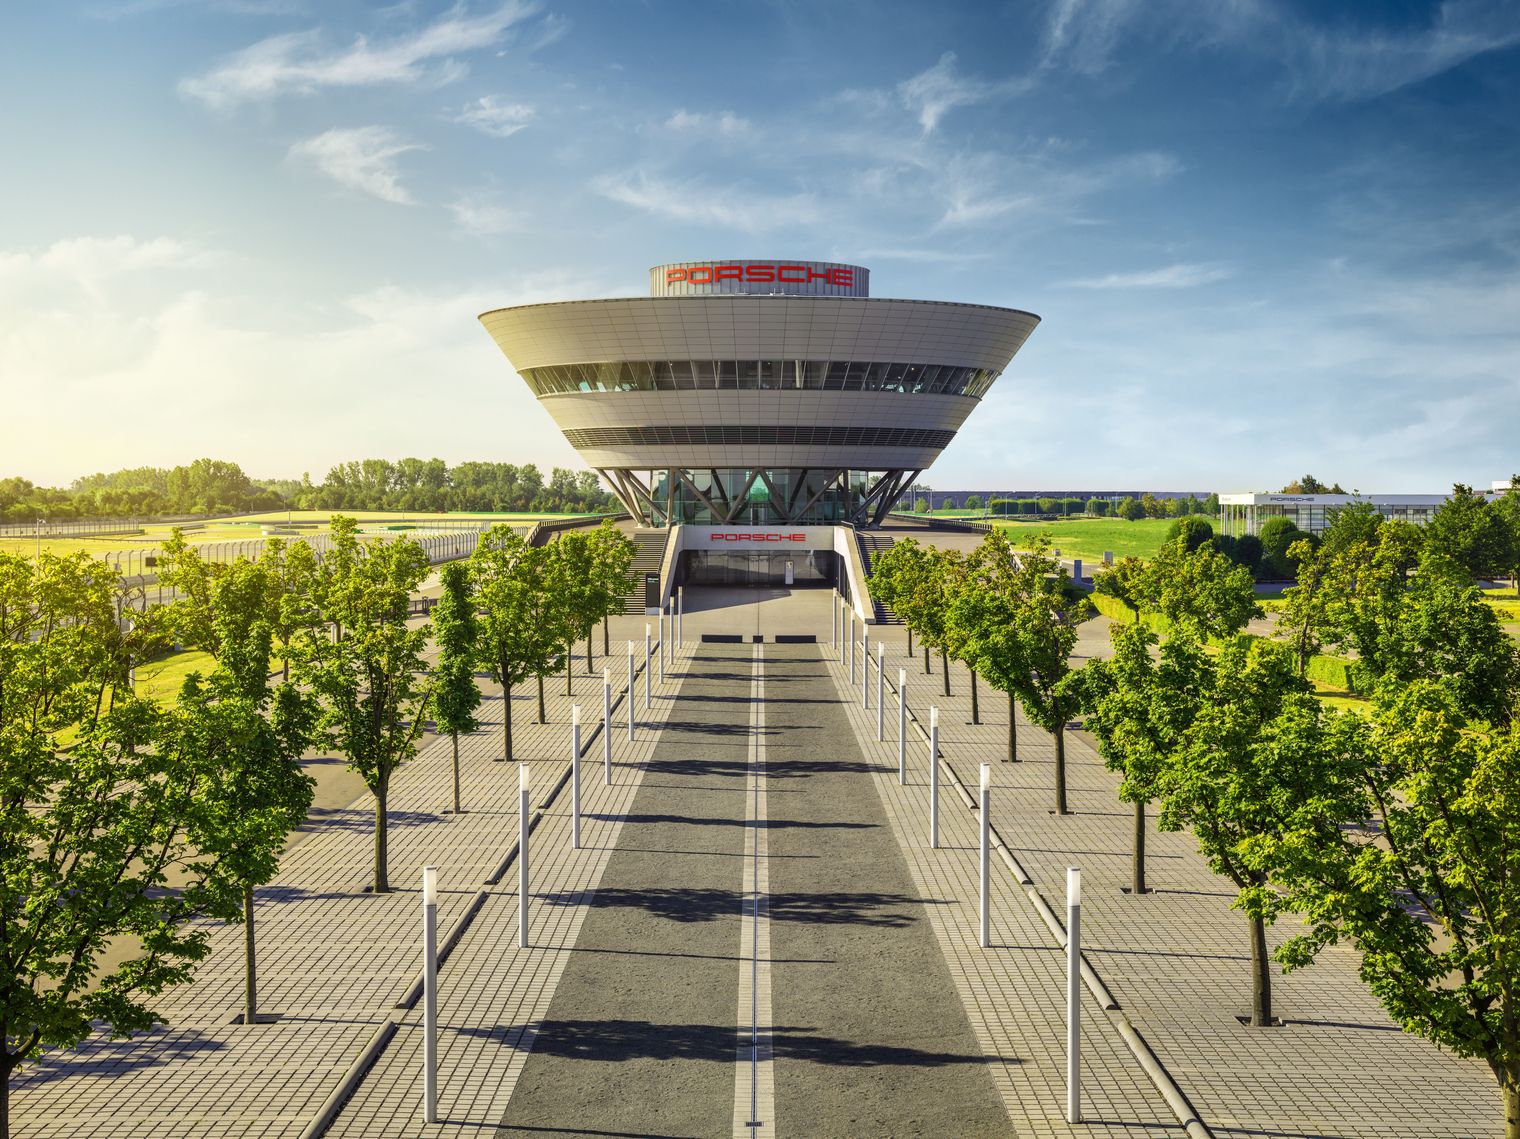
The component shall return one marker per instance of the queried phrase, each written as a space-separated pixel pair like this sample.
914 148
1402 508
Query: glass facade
764 434
759 375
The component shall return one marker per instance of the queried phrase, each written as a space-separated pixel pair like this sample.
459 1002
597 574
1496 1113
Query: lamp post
522 856
902 727
986 829
575 777
630 691
607 725
881 689
934 778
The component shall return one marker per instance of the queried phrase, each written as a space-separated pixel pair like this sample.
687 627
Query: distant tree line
216 486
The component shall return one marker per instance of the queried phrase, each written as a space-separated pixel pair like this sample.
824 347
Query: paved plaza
755 938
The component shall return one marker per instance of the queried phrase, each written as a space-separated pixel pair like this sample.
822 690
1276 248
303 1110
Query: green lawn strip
1090 538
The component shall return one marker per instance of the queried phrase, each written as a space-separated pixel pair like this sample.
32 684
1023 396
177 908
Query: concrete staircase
871 544
649 559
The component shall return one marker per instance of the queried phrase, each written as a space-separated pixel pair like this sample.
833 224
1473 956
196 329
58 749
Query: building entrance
795 568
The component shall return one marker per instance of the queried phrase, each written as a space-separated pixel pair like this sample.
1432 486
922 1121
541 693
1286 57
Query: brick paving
1177 959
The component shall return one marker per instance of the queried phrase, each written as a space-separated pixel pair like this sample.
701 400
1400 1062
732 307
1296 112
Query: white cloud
932 94
706 204
1180 276
492 116
972 186
722 123
361 158
481 217
1356 65
1082 34
298 64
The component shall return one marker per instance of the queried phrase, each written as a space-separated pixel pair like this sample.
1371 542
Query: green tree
1469 532
1131 509
1193 531
1097 507
982 621
613 554
519 633
920 506
974 502
112 825
1257 762
1126 581
1199 590
367 674
1277 535
1429 893
1048 615
456 696
227 612
1137 708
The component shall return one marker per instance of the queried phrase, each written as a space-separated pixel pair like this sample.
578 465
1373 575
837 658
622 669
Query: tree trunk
1060 734
1013 730
1261 975
382 879
910 640
927 670
285 669
588 653
976 710
944 666
1511 1089
456 771
506 721
606 651
570 670
1137 855
541 718
250 961
5 1095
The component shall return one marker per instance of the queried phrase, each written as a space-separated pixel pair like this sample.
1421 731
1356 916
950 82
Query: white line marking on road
754 1085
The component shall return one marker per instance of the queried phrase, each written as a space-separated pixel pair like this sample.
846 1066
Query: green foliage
1471 533
1131 509
1193 531
1311 485
1097 507
1199 591
920 506
367 673
1277 536
974 502
1429 893
456 696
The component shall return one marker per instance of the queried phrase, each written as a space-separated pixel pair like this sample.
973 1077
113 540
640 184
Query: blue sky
1265 236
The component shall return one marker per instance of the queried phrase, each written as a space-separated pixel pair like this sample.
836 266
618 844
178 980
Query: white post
1073 994
902 727
630 691
934 778
575 777
648 664
865 668
664 641
842 634
850 619
881 689
607 726
681 614
986 844
430 994
834 624
522 855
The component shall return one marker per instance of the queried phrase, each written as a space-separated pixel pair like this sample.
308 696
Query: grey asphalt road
869 1036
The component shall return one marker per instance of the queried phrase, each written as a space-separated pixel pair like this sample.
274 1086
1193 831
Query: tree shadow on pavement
619 1040
713 904
99 1056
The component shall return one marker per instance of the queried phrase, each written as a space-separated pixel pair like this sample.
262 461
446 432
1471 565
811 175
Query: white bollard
575 777
865 668
1073 994
850 617
607 726
630 691
934 778
522 856
986 844
681 615
842 634
834 625
648 664
663 642
902 727
430 994
881 689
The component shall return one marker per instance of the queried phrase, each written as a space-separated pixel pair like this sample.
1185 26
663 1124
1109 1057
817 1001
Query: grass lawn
1088 538
397 516
160 680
